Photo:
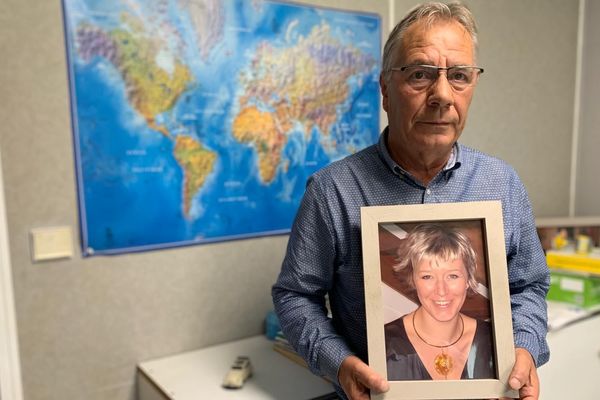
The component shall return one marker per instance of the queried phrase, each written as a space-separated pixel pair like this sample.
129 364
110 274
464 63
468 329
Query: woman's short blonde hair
436 242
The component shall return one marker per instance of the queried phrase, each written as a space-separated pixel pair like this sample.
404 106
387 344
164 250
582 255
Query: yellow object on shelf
584 244
560 240
588 263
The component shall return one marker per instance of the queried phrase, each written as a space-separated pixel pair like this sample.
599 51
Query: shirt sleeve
305 278
529 280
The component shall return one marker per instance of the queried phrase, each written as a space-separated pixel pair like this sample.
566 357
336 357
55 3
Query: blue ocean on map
201 121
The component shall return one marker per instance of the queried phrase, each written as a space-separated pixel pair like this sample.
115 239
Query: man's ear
384 92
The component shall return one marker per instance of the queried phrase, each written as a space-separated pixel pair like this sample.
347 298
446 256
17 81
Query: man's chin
438 131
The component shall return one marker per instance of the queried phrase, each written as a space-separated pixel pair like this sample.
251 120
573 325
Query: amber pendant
443 364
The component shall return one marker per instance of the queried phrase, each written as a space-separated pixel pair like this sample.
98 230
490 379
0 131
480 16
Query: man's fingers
524 376
357 378
375 382
519 375
371 379
521 371
515 383
531 390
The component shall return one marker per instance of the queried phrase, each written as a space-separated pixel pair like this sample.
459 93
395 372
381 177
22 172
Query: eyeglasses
420 77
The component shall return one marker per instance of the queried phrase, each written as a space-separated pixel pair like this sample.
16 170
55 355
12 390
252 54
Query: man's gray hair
430 13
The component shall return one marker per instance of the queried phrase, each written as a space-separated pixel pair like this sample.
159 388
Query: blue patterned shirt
324 253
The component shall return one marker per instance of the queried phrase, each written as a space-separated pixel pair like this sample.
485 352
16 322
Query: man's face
431 118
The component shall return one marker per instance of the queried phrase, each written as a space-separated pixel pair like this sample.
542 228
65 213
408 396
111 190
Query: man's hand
357 378
523 376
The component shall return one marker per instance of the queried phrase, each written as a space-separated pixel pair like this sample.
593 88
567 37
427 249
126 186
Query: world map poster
200 120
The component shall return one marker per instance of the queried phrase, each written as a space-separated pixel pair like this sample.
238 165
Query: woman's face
441 287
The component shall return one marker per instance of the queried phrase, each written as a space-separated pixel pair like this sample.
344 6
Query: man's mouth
435 122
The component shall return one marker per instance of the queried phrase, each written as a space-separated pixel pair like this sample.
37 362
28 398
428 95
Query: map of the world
200 120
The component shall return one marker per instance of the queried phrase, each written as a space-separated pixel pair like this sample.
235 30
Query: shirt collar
453 162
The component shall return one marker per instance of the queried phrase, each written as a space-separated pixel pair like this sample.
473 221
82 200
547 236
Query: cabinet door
573 371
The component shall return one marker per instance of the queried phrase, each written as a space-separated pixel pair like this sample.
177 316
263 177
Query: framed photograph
438 311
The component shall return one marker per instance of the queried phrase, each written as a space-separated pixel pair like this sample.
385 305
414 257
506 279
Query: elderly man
427 82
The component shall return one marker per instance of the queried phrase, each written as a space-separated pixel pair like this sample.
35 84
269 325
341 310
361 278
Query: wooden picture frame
383 229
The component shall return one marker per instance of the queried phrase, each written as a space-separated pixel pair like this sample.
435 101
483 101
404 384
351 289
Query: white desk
198 375
573 371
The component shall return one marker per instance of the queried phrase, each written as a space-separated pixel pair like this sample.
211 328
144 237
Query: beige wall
83 324
587 194
524 112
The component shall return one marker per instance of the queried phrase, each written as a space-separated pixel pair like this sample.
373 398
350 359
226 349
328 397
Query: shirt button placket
427 196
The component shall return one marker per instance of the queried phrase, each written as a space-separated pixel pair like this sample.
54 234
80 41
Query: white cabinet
573 371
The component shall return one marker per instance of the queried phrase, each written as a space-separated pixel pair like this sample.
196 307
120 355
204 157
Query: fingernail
514 383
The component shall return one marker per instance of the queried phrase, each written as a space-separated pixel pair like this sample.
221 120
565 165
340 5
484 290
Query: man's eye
459 76
420 75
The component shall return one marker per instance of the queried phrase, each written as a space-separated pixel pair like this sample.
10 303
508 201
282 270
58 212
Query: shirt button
428 191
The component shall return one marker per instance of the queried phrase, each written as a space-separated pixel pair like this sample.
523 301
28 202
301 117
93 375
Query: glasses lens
462 77
420 76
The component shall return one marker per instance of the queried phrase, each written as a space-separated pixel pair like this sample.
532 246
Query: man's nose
441 92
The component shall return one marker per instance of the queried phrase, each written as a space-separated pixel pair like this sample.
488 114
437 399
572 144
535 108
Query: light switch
51 243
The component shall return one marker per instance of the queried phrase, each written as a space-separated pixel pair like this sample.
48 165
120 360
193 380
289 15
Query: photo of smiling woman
438 340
